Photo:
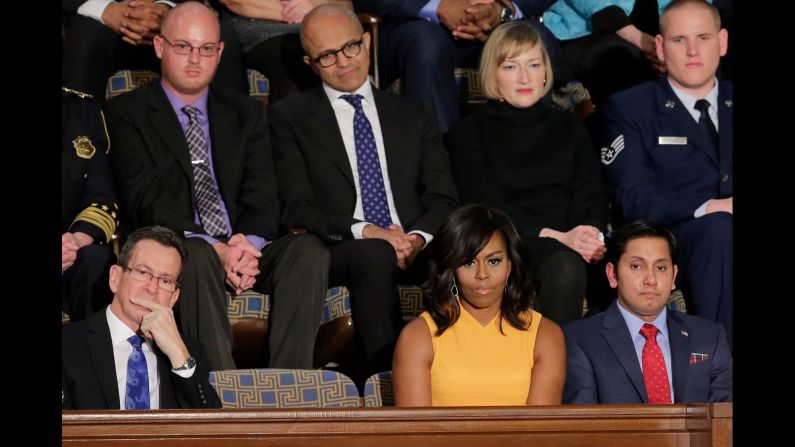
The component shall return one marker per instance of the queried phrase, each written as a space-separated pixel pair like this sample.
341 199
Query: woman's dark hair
466 232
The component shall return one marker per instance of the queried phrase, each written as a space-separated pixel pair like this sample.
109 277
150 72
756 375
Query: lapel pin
684 333
670 104
728 102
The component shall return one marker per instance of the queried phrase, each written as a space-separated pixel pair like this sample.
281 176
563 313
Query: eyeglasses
184 48
139 274
329 58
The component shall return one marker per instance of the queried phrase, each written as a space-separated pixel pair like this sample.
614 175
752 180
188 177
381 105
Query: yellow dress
477 365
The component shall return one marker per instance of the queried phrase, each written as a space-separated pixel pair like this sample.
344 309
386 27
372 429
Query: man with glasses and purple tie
131 356
366 172
197 159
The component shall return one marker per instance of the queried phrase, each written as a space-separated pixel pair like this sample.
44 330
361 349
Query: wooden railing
678 425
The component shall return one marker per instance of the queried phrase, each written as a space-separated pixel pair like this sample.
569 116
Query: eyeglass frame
151 276
357 43
217 47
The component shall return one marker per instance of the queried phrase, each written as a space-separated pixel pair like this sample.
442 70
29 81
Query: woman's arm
549 368
256 9
411 365
291 11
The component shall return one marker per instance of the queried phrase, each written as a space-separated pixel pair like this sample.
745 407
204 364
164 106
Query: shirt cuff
517 14
700 211
357 229
94 9
185 373
428 12
428 237
210 240
258 242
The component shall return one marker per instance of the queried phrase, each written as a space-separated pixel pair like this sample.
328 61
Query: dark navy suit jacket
603 368
658 163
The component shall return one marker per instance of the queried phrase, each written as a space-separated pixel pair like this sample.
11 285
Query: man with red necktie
639 351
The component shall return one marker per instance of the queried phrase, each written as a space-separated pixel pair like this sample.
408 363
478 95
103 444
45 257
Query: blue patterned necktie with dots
371 180
208 199
136 397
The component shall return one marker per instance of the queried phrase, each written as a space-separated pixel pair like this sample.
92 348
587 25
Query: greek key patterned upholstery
338 304
677 301
127 80
248 305
284 388
378 390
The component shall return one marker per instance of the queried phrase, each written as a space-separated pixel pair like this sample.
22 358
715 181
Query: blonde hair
507 40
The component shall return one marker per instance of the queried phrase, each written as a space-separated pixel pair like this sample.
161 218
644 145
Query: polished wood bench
679 425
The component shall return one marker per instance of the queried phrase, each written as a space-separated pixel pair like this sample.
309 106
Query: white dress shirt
689 102
119 333
344 112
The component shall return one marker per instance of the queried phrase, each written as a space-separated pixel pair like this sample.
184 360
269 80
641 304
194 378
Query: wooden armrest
366 17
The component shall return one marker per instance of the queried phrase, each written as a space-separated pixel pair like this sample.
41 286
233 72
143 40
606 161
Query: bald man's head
189 47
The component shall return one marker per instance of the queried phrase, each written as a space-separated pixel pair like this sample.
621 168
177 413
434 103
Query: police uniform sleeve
99 215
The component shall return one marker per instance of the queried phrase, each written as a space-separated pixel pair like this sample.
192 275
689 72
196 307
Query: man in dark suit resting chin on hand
131 355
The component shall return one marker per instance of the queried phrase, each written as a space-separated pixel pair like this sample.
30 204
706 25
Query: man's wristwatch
507 13
190 362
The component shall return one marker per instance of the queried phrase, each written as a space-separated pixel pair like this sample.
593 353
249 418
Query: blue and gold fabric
284 388
378 390
127 80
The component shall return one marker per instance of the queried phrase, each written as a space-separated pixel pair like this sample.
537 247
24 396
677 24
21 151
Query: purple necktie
208 199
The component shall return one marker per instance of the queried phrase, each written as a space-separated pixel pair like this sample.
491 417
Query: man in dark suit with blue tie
363 170
639 351
667 154
130 356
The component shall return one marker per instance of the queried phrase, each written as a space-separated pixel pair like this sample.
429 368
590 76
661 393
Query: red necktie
654 373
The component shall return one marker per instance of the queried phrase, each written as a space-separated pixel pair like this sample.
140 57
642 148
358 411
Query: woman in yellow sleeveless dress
480 342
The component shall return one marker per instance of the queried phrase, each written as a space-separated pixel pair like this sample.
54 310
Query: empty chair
284 388
378 390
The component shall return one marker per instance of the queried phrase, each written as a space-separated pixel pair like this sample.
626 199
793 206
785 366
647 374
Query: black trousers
84 285
94 53
705 257
368 267
293 270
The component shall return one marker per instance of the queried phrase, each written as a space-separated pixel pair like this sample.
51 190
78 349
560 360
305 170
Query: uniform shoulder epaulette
77 93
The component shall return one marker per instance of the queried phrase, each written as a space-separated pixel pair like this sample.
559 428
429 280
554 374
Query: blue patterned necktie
208 199
371 180
705 122
136 397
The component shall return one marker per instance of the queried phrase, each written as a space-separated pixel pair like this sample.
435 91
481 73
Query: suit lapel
681 120
164 376
101 349
618 337
389 117
165 122
222 136
680 348
323 123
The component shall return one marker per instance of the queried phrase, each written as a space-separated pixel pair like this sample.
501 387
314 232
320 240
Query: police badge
84 148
